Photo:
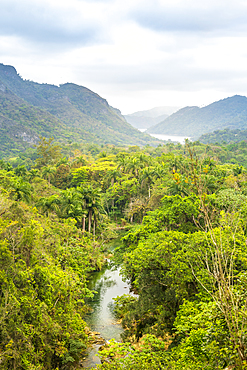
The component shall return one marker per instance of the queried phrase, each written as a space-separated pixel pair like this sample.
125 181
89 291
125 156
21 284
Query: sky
137 54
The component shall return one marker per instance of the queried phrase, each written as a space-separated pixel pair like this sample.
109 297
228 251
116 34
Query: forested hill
67 112
194 121
224 136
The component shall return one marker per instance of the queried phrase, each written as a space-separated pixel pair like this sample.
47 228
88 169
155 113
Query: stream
109 284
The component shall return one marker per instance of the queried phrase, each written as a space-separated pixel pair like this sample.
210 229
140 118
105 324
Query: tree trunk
94 227
83 223
89 220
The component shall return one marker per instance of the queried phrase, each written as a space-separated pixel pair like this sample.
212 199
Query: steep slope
194 121
21 124
74 112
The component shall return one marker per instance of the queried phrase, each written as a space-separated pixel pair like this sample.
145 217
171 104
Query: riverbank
102 321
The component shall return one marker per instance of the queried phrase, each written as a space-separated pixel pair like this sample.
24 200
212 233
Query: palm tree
48 204
135 164
21 190
80 190
48 173
70 203
147 176
122 162
113 174
143 159
79 162
21 171
92 204
32 174
160 171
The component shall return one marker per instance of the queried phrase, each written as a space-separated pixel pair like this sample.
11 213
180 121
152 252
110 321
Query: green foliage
42 304
48 153
203 337
44 265
183 218
150 354
175 213
225 136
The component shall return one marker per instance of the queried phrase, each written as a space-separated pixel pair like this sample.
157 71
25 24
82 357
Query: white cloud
134 53
60 23
192 16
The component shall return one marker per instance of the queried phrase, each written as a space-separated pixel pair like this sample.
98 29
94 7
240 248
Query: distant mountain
147 118
67 112
144 122
194 121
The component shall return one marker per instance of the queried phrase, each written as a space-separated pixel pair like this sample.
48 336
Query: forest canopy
183 212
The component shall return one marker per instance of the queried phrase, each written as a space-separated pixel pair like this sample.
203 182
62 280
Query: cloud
51 23
166 75
191 16
131 50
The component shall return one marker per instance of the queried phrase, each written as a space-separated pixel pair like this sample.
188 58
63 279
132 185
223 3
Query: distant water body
180 139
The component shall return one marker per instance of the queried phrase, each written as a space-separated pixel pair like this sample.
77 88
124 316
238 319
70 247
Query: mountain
144 122
147 118
68 112
194 121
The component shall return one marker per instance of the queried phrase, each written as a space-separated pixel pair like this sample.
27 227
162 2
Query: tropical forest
176 216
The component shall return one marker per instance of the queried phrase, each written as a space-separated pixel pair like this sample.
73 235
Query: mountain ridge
66 112
193 121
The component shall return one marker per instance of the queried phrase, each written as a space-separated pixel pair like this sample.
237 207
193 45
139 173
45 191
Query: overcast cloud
136 54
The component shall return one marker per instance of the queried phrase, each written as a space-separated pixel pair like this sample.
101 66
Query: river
178 139
109 284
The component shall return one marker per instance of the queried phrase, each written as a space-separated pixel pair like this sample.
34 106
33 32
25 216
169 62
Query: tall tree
93 204
48 172
48 153
148 176
48 204
20 190
70 204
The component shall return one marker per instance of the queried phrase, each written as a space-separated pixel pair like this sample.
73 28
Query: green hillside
21 124
224 136
194 121
68 112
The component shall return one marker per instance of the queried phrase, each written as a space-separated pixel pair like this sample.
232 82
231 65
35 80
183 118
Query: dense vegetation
224 136
194 121
183 209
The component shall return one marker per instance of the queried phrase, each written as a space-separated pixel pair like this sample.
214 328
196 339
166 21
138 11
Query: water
109 284
179 139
